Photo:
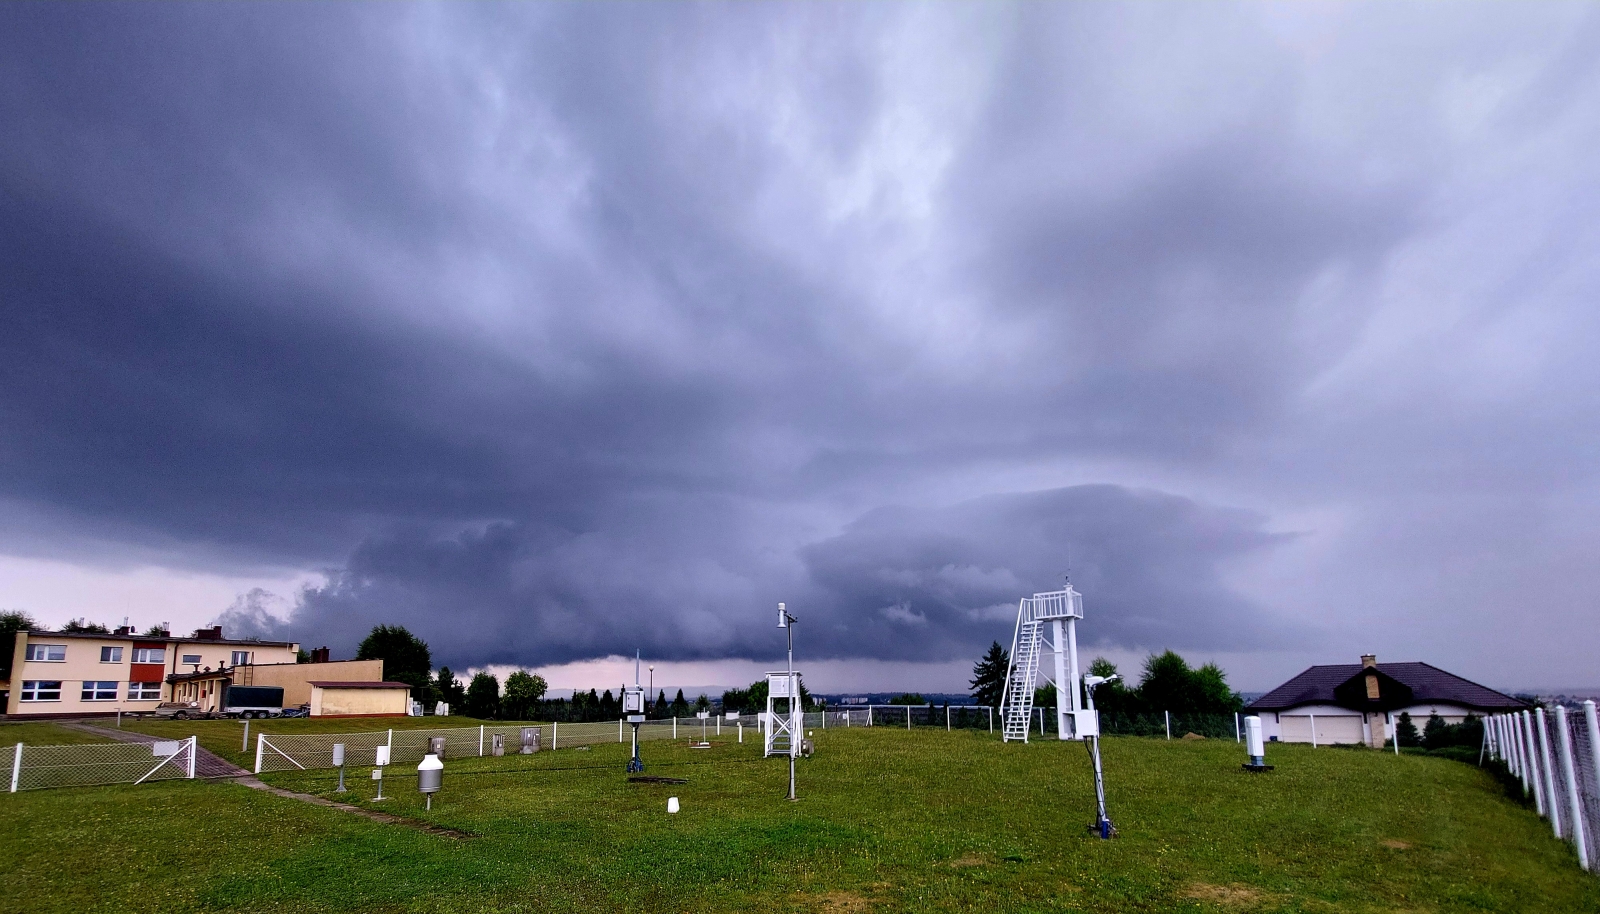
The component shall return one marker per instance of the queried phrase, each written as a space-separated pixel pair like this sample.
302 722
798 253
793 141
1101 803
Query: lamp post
786 622
652 683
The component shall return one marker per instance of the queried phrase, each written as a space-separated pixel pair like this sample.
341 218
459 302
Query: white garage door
1296 728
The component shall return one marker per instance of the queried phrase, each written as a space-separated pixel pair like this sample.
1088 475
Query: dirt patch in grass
1232 896
966 860
1396 844
842 903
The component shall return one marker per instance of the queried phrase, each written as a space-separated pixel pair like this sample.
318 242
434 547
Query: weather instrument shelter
1058 611
782 731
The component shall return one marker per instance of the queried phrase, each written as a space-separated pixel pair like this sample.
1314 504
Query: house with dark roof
1361 702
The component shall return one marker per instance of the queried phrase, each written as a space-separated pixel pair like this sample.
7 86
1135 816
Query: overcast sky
552 332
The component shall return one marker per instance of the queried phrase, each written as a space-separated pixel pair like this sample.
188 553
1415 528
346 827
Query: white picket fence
90 764
305 751
1555 753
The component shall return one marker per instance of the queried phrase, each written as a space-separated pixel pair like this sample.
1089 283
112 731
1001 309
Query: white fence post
16 767
390 741
1589 718
1236 726
1549 772
674 728
555 730
194 749
869 715
1167 715
991 720
908 717
1313 731
245 746
480 741
947 718
1569 774
741 732
261 739
1532 741
619 729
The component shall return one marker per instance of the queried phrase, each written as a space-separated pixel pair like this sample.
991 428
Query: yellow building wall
331 701
83 664
296 678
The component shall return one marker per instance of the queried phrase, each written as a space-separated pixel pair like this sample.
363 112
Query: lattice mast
1058 611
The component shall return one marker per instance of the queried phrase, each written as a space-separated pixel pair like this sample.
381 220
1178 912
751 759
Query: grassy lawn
226 737
887 821
38 733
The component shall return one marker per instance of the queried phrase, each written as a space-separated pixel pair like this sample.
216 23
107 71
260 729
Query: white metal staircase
1060 608
1017 705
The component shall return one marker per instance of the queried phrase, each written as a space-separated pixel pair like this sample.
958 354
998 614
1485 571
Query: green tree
1167 684
703 703
1436 733
989 676
1212 694
680 705
450 690
661 709
11 622
1407 731
1112 697
907 698
405 659
738 700
483 696
87 628
523 691
160 631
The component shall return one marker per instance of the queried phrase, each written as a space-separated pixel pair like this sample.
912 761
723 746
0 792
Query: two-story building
59 674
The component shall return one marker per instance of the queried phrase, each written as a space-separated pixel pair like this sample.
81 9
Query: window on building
144 691
110 655
99 691
54 653
41 690
193 659
149 655
239 657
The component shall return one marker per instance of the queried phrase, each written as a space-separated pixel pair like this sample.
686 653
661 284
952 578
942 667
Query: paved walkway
206 764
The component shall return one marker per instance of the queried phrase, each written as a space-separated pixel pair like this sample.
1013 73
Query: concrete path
206 764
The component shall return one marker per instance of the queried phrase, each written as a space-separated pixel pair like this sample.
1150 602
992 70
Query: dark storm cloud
899 583
559 330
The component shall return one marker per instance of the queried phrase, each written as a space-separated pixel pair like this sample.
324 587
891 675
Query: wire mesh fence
1554 754
91 764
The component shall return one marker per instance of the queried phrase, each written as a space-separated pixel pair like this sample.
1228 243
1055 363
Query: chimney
320 655
123 631
213 633
1368 661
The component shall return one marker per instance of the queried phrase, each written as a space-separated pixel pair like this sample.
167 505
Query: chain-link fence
1554 753
303 751
85 765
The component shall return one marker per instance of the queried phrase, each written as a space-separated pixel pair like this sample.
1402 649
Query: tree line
1166 683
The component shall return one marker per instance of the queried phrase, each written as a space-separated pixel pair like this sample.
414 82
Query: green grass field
888 820
38 733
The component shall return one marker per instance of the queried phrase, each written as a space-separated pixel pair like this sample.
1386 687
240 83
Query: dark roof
1427 683
360 685
40 635
202 674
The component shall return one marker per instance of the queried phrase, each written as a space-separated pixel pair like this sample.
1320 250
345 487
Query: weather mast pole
786 622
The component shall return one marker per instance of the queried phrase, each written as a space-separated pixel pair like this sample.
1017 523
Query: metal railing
90 764
1554 753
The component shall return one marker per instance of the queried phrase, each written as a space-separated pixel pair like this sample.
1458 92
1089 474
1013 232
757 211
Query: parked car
179 710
